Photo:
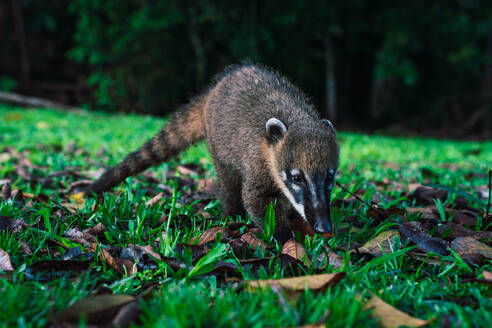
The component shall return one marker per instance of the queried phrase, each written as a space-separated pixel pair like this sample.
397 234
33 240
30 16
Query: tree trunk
25 64
382 95
485 93
330 80
196 43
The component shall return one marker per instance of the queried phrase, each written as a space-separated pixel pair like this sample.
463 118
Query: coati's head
304 161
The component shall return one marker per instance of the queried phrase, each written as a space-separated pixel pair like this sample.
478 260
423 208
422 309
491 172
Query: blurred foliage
394 62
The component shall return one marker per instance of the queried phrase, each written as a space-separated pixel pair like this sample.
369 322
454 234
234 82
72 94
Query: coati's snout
304 163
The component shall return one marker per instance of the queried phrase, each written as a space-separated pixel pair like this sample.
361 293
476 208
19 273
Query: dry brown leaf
329 258
99 310
128 314
25 248
121 265
487 275
72 207
183 170
208 236
97 230
313 282
425 212
391 317
252 240
5 264
154 200
297 251
149 250
381 242
467 246
205 185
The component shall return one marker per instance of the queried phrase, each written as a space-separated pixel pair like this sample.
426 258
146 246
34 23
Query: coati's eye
330 177
297 177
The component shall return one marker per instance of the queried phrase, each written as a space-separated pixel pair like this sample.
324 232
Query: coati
267 143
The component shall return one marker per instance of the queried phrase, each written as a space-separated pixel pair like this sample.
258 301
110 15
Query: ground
136 239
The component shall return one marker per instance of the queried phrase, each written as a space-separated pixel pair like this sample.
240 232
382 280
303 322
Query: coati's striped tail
183 129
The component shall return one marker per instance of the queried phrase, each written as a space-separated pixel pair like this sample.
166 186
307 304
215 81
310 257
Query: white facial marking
312 190
283 175
278 179
295 172
299 207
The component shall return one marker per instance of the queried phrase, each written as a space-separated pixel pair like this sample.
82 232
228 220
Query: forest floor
412 242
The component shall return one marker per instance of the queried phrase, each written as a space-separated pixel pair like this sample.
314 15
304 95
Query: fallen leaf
98 310
329 257
452 231
467 246
149 250
391 317
72 207
127 315
297 251
5 264
154 200
13 225
382 242
252 240
424 212
97 230
426 195
121 265
25 248
185 171
4 157
208 236
382 214
313 282
413 231
205 185
78 198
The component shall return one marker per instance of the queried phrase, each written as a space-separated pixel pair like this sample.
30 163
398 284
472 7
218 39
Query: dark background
393 66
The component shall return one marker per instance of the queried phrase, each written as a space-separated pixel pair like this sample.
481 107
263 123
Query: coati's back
241 102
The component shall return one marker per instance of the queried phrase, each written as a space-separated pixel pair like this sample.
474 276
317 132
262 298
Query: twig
490 189
361 200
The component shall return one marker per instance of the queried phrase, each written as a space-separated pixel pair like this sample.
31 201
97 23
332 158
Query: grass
58 140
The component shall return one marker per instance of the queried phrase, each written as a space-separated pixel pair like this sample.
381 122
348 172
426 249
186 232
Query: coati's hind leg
256 198
229 191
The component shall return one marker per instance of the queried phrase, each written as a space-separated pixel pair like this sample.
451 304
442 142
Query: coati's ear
329 124
275 130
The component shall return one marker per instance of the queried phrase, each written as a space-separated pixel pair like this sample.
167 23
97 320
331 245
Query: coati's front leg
256 198
229 190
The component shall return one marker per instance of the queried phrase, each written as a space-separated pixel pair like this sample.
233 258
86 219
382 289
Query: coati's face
304 163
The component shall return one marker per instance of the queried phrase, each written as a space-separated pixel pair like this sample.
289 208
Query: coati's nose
322 225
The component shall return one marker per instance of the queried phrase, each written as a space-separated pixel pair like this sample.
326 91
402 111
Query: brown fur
231 115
